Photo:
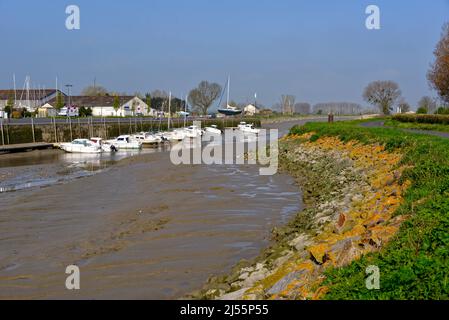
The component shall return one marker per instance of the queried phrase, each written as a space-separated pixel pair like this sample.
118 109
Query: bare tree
159 94
403 106
204 95
93 91
428 103
438 74
287 103
382 94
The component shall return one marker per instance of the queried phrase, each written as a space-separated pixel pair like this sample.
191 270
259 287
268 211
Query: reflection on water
46 167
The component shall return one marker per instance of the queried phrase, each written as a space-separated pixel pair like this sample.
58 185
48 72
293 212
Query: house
251 110
103 106
29 99
46 111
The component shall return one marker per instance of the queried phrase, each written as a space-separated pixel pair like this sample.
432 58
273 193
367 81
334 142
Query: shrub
423 118
422 110
442 110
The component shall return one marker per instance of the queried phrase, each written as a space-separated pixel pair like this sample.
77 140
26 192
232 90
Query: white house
251 110
103 106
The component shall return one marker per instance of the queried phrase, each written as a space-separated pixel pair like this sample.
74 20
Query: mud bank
142 229
350 192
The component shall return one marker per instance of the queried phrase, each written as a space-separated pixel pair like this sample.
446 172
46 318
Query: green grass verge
415 264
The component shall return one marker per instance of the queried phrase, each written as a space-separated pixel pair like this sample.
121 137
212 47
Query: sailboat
229 110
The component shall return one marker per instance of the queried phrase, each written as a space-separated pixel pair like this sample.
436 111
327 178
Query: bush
422 110
442 110
16 115
423 118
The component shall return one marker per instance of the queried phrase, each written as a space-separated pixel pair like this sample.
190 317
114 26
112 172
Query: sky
319 51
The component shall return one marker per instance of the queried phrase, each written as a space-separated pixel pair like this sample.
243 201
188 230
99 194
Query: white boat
81 146
104 145
147 139
248 128
213 129
193 132
175 135
125 142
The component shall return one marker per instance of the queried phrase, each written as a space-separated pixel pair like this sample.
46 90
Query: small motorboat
248 128
104 145
193 132
175 135
147 139
213 129
125 142
81 146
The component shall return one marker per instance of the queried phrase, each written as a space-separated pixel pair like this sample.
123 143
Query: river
137 226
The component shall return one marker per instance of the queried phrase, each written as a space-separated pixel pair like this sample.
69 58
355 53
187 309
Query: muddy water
140 229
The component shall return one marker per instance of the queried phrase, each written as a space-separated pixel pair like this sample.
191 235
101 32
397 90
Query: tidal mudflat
142 228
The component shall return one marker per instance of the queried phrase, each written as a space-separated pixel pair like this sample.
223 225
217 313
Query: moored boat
81 146
248 128
147 139
125 142
213 129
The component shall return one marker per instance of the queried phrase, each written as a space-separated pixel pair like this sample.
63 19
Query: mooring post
92 133
32 129
54 129
3 134
7 132
105 128
70 126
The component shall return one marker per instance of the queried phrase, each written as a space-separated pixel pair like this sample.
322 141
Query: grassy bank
415 264
373 196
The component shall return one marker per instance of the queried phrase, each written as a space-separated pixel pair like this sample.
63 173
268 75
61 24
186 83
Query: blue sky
319 51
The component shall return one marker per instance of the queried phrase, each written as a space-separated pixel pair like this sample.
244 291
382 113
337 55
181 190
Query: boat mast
185 112
169 110
227 99
15 91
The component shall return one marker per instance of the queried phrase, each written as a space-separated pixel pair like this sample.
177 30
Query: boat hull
229 112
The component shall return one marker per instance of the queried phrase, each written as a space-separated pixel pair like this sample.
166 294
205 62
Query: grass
415 265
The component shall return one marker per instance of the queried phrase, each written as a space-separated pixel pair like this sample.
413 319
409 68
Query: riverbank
373 197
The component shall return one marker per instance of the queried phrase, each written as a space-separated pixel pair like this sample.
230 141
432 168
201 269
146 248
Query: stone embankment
351 192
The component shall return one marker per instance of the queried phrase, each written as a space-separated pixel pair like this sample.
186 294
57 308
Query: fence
62 130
